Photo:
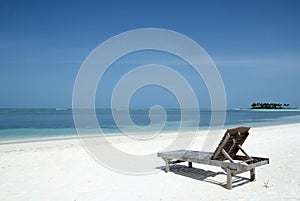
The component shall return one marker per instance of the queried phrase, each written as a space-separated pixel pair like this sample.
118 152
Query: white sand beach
63 170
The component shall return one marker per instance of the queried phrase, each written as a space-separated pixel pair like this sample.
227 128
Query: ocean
19 124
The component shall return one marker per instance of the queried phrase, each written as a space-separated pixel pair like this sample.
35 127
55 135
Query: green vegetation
269 106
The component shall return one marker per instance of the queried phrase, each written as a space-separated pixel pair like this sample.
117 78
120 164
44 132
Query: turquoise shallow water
38 123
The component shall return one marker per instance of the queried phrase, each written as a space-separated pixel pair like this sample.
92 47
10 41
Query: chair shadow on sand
205 175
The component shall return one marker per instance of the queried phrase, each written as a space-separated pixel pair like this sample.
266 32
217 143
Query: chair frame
224 156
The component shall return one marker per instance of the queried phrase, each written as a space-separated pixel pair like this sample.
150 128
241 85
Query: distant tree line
269 106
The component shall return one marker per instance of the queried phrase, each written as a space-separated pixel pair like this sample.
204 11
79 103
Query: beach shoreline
63 170
120 134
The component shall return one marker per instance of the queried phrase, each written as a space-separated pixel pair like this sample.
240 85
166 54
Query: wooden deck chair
225 156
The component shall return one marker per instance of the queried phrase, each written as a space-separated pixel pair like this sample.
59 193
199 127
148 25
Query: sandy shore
63 170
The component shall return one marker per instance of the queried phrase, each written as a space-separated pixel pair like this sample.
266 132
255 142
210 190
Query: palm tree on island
270 106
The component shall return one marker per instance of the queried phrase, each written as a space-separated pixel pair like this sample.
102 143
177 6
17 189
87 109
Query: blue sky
255 45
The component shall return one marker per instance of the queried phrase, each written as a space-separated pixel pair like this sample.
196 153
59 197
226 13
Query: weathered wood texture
205 158
231 141
227 150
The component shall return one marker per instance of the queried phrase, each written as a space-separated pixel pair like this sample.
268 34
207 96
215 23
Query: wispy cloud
284 61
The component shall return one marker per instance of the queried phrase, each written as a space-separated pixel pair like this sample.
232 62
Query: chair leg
167 165
252 174
190 164
229 179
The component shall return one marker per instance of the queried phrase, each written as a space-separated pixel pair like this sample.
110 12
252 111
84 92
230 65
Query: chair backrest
230 143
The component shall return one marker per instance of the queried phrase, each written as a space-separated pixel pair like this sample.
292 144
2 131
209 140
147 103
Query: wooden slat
232 146
221 145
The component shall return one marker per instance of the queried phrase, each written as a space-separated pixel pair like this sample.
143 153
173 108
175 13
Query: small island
274 106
